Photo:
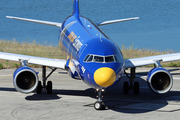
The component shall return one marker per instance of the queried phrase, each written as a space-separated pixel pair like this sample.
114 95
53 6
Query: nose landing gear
99 104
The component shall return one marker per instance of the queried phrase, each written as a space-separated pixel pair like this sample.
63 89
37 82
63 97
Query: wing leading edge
56 24
137 62
116 21
57 63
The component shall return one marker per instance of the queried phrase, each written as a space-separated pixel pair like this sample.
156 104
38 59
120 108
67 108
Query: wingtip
8 17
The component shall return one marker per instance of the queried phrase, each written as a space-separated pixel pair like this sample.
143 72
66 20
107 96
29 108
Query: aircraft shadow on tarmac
35 96
115 100
8 89
39 97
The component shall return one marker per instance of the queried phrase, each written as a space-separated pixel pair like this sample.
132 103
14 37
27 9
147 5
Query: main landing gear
99 104
48 87
133 85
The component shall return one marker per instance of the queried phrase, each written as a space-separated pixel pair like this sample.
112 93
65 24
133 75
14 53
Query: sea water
157 29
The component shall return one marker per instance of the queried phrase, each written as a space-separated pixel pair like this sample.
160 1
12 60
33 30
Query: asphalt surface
74 100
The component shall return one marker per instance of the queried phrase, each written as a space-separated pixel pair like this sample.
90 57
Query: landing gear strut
99 104
133 85
48 87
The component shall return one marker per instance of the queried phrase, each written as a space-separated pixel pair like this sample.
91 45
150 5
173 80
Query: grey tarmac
72 99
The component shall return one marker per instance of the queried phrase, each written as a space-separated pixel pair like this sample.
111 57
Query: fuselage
91 54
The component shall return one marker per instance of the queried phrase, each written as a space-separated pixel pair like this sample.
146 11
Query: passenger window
109 59
98 59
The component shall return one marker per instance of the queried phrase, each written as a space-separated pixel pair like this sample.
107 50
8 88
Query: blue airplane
92 57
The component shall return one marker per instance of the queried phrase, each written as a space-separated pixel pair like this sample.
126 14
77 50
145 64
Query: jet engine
159 80
25 79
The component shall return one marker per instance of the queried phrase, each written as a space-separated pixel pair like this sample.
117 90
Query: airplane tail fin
76 8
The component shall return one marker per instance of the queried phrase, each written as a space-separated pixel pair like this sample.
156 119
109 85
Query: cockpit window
90 58
85 59
109 59
99 59
118 58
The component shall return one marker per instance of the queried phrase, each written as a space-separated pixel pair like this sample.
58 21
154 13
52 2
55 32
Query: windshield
109 59
99 59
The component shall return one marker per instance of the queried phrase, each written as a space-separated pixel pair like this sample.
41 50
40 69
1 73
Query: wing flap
137 62
37 21
57 63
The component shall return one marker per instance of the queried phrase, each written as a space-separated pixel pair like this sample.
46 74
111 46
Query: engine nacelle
159 80
25 79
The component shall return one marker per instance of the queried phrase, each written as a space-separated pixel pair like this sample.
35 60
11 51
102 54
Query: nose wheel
99 104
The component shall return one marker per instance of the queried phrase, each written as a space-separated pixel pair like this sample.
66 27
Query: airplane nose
104 76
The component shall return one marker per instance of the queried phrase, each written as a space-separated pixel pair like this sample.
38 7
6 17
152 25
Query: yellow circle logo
104 76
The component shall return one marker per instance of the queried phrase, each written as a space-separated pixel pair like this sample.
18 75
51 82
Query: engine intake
25 79
159 80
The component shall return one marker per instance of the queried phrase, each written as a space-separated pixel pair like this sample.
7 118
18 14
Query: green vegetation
135 53
33 49
1 66
27 48
50 51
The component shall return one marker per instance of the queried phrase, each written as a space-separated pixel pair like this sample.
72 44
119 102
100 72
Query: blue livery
91 57
81 37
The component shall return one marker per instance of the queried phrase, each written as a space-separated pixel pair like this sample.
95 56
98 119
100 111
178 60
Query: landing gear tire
136 88
49 87
99 105
39 88
126 88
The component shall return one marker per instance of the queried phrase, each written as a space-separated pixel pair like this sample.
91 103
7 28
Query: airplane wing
116 21
57 63
37 21
137 62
